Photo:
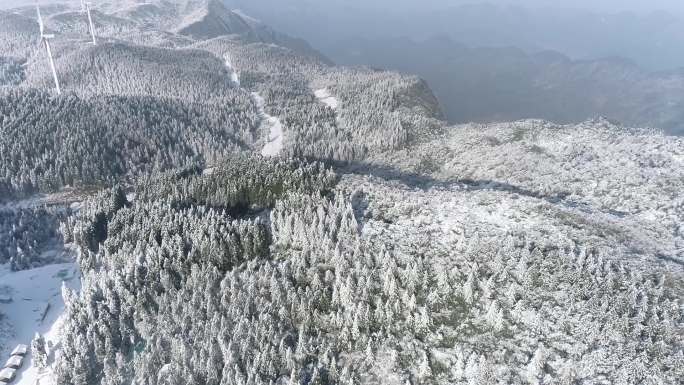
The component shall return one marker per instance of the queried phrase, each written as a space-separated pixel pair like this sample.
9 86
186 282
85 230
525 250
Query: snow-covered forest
11 72
48 143
27 233
377 246
305 286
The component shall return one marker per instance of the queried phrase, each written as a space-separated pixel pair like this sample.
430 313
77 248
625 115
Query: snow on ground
233 74
67 196
326 98
275 126
246 17
36 306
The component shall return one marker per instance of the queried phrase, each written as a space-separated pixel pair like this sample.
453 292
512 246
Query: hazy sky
596 5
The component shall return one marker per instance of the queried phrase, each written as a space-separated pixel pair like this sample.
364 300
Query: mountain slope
120 69
378 110
214 20
628 179
514 253
49 143
501 84
381 282
19 36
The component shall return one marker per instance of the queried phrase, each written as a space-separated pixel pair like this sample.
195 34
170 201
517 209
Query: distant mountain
205 19
214 20
653 40
500 84
164 23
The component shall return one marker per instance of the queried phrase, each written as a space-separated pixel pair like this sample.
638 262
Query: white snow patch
234 77
275 126
36 306
326 98
66 196
246 17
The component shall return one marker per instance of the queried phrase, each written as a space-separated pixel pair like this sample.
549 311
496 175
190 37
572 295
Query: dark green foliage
238 183
164 247
92 227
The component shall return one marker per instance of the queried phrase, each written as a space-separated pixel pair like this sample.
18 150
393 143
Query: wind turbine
45 38
85 8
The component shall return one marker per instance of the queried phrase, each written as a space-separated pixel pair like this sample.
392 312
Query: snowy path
326 98
274 125
36 306
268 122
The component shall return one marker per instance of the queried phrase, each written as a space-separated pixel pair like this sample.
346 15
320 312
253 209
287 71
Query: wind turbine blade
52 67
40 20
90 23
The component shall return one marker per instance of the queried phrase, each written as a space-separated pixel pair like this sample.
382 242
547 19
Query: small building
7 375
15 362
20 350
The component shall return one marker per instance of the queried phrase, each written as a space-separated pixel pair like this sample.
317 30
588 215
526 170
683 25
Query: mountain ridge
488 84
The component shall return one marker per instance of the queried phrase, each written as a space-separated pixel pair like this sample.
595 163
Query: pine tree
424 369
494 316
39 352
535 369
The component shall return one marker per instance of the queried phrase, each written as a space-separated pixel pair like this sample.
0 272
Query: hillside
380 282
49 143
19 36
123 69
234 211
378 110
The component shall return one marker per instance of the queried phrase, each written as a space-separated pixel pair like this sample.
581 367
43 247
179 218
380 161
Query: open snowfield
326 98
36 306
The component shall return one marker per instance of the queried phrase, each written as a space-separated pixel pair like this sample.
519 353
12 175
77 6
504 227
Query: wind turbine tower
45 38
85 8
